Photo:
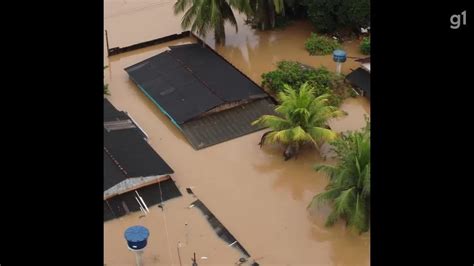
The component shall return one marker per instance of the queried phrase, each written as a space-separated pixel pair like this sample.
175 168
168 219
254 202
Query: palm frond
302 117
228 14
241 5
289 136
324 197
321 134
359 220
332 218
273 122
352 177
181 5
278 6
205 15
345 202
366 181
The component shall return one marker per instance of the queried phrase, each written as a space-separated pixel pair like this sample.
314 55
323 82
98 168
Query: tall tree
206 15
349 181
302 119
264 12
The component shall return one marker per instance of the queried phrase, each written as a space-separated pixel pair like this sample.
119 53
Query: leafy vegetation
365 46
295 74
302 119
320 45
333 15
106 89
282 21
269 14
327 15
349 181
205 15
106 86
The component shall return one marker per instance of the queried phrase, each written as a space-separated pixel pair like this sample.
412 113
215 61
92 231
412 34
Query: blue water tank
339 56
136 237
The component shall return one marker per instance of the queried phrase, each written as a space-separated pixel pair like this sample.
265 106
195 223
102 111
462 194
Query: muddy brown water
260 198
130 22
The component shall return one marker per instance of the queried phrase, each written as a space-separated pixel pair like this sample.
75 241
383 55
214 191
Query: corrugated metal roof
226 125
117 206
126 152
189 80
361 79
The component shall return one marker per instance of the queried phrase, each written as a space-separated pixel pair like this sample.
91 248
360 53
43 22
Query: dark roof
111 113
152 194
226 125
172 87
134 154
360 78
190 80
220 76
112 173
127 154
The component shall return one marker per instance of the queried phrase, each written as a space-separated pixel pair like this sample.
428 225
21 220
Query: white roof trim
130 184
366 66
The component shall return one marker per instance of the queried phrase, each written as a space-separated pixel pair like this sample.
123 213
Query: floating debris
194 260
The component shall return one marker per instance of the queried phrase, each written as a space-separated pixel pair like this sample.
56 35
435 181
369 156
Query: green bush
365 46
332 15
320 45
295 74
106 86
106 89
281 21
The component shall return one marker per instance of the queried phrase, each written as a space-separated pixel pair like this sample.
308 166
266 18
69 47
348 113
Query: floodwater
260 198
357 109
255 52
130 22
175 234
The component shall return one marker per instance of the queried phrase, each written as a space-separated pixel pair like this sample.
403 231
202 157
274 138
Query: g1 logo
456 20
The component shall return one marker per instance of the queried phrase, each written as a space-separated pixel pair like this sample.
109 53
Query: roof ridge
194 75
116 162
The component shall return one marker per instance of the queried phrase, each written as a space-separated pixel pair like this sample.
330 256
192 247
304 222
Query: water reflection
347 248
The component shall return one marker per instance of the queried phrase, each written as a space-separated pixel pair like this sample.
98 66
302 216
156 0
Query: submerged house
360 78
204 96
135 176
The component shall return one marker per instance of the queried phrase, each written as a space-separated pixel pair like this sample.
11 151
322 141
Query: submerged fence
119 50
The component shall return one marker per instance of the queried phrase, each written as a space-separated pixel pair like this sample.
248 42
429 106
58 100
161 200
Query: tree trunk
291 151
219 33
271 10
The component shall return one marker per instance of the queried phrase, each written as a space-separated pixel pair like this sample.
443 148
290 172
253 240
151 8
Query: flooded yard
259 197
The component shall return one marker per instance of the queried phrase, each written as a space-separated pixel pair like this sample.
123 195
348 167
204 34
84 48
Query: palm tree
205 15
303 119
349 181
265 12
